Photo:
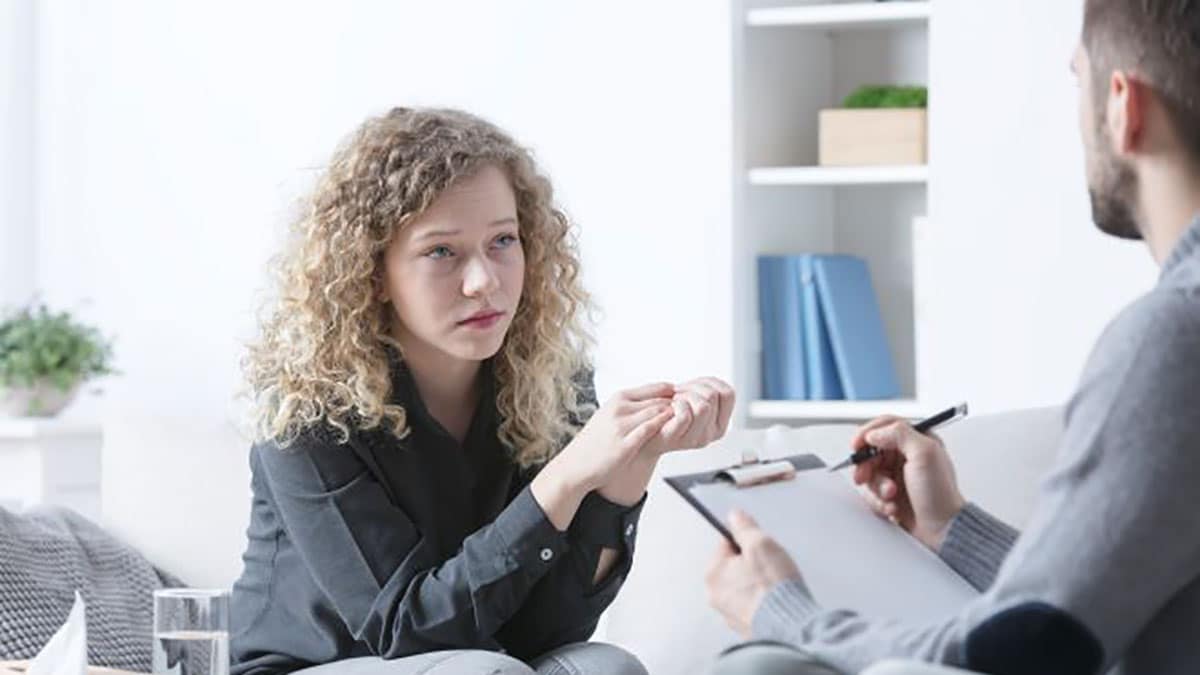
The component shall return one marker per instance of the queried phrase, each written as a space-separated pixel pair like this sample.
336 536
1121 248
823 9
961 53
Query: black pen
928 424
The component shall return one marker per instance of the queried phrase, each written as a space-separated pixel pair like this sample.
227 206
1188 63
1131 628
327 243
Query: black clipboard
683 485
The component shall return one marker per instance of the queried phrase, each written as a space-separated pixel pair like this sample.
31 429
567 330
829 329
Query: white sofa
180 493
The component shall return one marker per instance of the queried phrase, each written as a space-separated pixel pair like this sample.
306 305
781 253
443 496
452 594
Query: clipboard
747 474
850 558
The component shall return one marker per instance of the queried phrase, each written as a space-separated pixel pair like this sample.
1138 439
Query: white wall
1024 281
17 86
174 138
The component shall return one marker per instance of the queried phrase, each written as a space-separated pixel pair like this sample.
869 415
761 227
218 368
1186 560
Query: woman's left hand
702 409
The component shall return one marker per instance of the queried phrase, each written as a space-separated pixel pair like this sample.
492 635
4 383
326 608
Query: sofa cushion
1000 459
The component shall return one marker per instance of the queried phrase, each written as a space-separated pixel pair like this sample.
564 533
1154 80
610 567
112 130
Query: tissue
66 652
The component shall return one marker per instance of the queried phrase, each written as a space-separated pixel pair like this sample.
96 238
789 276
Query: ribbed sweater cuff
785 607
976 546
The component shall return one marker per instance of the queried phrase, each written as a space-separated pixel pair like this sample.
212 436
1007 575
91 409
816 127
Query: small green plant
37 345
887 96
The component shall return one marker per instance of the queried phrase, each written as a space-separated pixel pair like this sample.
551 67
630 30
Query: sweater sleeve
977 545
1113 537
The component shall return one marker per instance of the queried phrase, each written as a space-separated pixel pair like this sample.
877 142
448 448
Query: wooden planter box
852 137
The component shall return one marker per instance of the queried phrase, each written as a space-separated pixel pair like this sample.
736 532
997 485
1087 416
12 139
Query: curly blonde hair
323 353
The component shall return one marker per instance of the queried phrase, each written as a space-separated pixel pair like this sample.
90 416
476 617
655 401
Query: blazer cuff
602 523
529 539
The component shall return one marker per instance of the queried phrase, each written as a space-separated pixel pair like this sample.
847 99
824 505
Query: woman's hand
912 482
610 441
701 411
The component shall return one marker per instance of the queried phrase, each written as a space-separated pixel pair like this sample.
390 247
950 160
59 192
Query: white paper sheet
850 558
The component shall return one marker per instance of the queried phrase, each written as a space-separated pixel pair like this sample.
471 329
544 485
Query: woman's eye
438 252
506 240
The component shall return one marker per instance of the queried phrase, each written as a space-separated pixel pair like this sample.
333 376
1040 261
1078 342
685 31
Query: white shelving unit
791 60
835 176
50 461
839 15
835 410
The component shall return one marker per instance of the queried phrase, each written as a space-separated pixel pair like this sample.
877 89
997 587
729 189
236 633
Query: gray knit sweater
1107 573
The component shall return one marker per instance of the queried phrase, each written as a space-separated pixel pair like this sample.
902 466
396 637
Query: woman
435 488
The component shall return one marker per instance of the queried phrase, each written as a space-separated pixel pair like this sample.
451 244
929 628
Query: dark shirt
388 547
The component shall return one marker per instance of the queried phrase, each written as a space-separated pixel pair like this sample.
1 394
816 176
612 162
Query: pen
926 425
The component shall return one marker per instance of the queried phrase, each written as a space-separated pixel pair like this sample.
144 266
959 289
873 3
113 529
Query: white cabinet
50 462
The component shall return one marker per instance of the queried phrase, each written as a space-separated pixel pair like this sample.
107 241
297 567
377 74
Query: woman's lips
482 321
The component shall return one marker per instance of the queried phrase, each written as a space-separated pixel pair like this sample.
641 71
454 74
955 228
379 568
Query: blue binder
855 327
819 365
795 385
782 332
772 368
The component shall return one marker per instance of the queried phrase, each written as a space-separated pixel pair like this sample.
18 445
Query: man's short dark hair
1158 40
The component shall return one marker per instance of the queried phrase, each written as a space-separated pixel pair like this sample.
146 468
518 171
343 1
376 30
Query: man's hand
912 483
738 582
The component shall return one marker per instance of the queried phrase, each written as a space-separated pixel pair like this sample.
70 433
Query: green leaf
38 345
887 96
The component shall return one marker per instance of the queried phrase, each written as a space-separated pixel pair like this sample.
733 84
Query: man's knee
589 657
768 659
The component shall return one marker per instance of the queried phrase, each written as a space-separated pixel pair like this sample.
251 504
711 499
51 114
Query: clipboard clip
752 470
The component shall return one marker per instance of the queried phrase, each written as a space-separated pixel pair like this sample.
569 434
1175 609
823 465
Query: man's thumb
890 437
740 522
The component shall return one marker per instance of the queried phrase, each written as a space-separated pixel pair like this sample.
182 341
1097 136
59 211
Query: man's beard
1113 189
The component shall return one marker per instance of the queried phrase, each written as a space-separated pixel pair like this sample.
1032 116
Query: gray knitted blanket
46 554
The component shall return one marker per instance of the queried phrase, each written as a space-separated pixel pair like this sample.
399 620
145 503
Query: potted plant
44 358
876 125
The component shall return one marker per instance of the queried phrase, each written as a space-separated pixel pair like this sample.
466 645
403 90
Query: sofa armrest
898 667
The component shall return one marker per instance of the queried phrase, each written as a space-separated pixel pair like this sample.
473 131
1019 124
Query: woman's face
454 275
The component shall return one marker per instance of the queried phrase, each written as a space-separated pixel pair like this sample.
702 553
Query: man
1108 571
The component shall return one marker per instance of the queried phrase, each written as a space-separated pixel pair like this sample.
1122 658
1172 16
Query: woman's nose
479 278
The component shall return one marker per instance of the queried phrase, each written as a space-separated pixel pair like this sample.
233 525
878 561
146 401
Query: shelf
39 427
848 411
845 15
838 175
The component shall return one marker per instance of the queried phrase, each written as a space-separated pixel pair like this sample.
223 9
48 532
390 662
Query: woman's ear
378 285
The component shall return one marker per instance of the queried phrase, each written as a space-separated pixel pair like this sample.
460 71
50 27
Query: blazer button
546 554
629 530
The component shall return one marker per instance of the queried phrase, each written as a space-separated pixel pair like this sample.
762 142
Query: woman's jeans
580 658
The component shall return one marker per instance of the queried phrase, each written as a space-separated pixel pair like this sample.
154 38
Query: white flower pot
43 399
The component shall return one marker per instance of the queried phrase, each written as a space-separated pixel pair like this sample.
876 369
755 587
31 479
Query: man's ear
1127 99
